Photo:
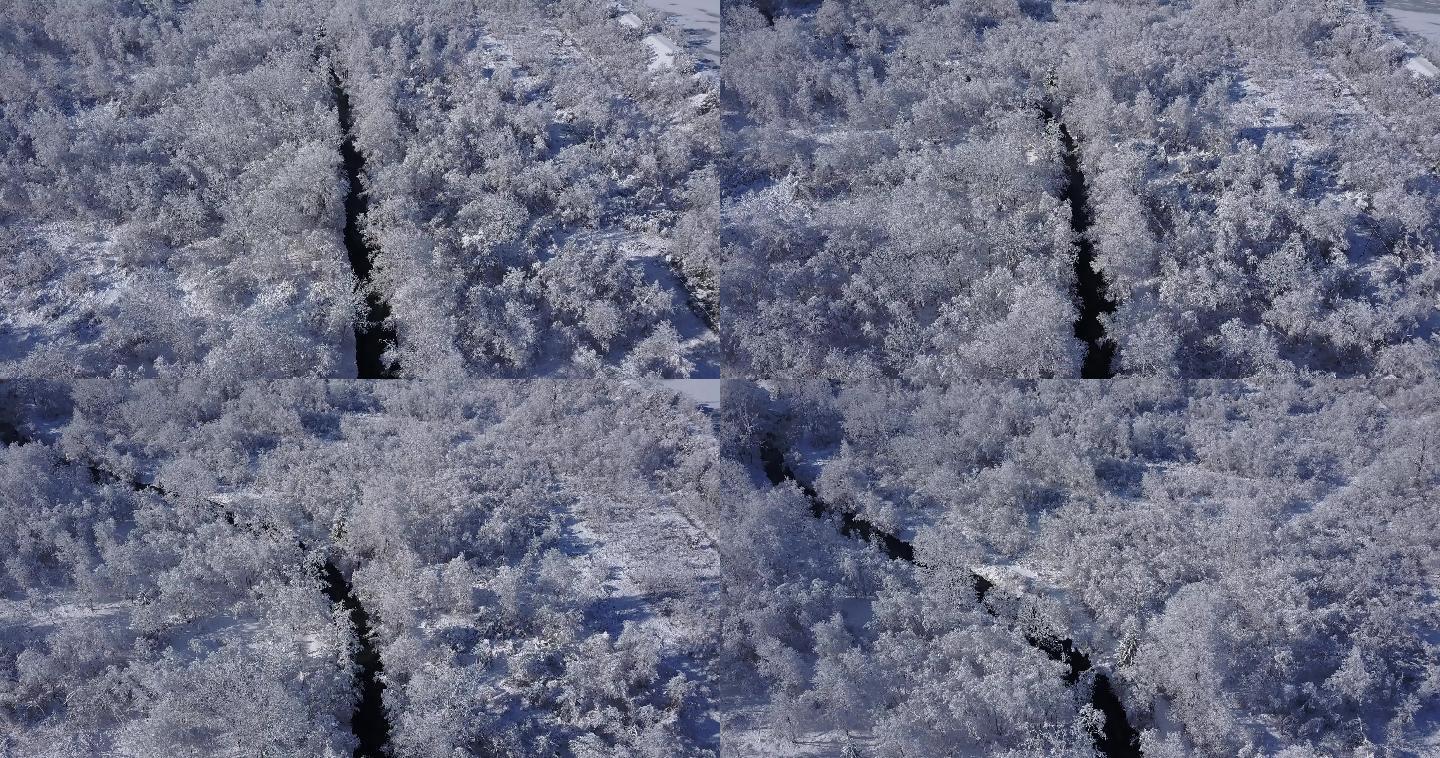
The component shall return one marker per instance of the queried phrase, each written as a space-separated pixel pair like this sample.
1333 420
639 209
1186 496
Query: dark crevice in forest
851 525
707 308
1117 738
369 723
1091 295
10 434
766 10
374 332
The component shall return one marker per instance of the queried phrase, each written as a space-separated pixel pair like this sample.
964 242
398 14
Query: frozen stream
372 334
368 723
1090 293
851 525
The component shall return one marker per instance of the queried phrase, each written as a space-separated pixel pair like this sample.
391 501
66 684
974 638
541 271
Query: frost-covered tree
1256 182
185 559
1246 564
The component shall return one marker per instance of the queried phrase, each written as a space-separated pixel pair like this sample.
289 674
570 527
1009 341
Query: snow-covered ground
662 49
659 576
68 294
1417 22
1420 18
647 253
705 392
80 302
1268 106
701 19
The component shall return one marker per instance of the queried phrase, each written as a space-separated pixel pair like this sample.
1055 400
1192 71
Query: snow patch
705 392
662 50
1422 66
701 22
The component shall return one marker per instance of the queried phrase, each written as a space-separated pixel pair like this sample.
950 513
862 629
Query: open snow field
1420 18
702 19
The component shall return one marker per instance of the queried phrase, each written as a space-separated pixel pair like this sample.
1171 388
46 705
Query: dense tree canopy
1259 186
542 197
528 554
529 179
169 191
1252 565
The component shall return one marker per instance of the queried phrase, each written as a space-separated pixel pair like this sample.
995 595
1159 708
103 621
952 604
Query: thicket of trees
518 165
1303 243
829 645
892 200
189 619
892 186
140 625
169 191
1251 565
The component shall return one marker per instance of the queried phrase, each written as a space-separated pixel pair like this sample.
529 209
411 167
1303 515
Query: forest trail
1089 281
1117 739
373 333
369 723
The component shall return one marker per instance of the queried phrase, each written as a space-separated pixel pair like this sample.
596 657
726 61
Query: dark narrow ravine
1091 295
777 471
1117 738
374 332
368 723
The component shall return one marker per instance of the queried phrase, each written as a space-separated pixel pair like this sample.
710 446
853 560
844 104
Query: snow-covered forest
1202 568
305 569
355 187
1024 188
584 568
724 378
